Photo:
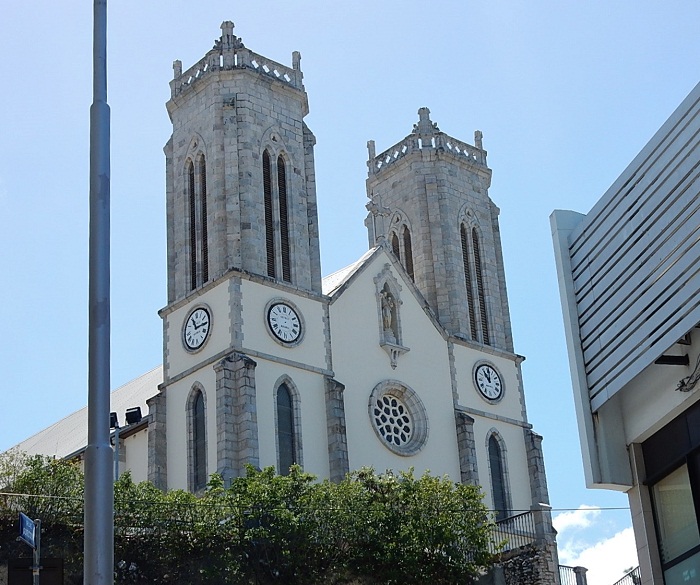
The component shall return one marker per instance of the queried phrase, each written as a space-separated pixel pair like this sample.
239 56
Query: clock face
284 322
196 328
488 382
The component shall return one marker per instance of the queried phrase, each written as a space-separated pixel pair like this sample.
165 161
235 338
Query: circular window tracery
392 420
398 417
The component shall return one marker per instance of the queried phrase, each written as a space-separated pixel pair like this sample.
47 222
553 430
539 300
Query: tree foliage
264 528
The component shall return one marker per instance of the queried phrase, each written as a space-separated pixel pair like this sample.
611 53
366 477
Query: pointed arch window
287 432
499 487
276 203
269 216
401 246
407 252
284 219
197 449
198 233
474 284
192 199
395 246
468 281
480 288
203 214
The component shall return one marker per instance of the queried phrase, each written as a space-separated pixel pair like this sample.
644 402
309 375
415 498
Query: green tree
264 528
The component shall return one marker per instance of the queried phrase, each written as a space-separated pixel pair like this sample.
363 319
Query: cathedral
404 359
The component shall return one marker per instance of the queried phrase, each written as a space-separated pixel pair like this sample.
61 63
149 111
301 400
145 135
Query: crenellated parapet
426 136
230 53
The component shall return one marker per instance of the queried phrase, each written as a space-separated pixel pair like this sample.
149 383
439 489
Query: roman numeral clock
284 322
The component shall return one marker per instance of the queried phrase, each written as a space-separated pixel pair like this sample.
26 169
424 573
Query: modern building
404 359
629 277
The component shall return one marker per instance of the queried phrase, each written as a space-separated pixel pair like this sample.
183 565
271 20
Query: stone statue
387 309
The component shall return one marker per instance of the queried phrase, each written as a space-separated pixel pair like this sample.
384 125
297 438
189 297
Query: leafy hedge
264 528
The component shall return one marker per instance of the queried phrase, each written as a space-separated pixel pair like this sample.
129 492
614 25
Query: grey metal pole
99 485
37 552
116 453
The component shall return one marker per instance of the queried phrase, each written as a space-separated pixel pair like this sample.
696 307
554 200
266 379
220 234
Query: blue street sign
27 529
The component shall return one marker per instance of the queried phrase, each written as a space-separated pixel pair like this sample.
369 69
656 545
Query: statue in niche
388 315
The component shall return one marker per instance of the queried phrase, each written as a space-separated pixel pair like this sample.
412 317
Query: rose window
393 420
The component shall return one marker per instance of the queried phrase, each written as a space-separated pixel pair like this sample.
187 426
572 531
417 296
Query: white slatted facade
635 258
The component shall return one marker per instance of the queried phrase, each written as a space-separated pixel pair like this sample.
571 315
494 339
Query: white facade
629 276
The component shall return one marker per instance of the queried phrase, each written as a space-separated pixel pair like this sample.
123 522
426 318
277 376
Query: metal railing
572 575
516 531
634 577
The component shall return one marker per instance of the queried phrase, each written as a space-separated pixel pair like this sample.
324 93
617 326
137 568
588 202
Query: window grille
395 246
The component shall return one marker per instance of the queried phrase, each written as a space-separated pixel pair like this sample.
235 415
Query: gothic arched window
468 281
192 201
196 181
286 431
395 246
269 216
480 288
197 451
499 486
284 219
203 215
407 252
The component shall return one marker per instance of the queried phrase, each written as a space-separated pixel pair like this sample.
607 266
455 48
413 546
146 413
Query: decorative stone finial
478 139
227 28
296 61
425 125
371 149
177 68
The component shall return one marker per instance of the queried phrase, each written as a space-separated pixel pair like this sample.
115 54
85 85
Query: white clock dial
284 322
488 382
196 329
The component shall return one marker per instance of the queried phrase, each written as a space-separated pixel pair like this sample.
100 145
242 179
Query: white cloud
581 518
585 540
606 560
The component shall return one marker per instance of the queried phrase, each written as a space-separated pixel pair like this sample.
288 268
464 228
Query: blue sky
565 93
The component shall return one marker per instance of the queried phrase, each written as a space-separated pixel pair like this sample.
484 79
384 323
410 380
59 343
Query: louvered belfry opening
269 221
408 252
193 224
468 281
203 215
480 288
284 219
395 246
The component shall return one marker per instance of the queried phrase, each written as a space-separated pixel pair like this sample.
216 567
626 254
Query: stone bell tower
240 171
429 203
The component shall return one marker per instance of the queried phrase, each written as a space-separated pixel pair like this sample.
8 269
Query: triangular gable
340 281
